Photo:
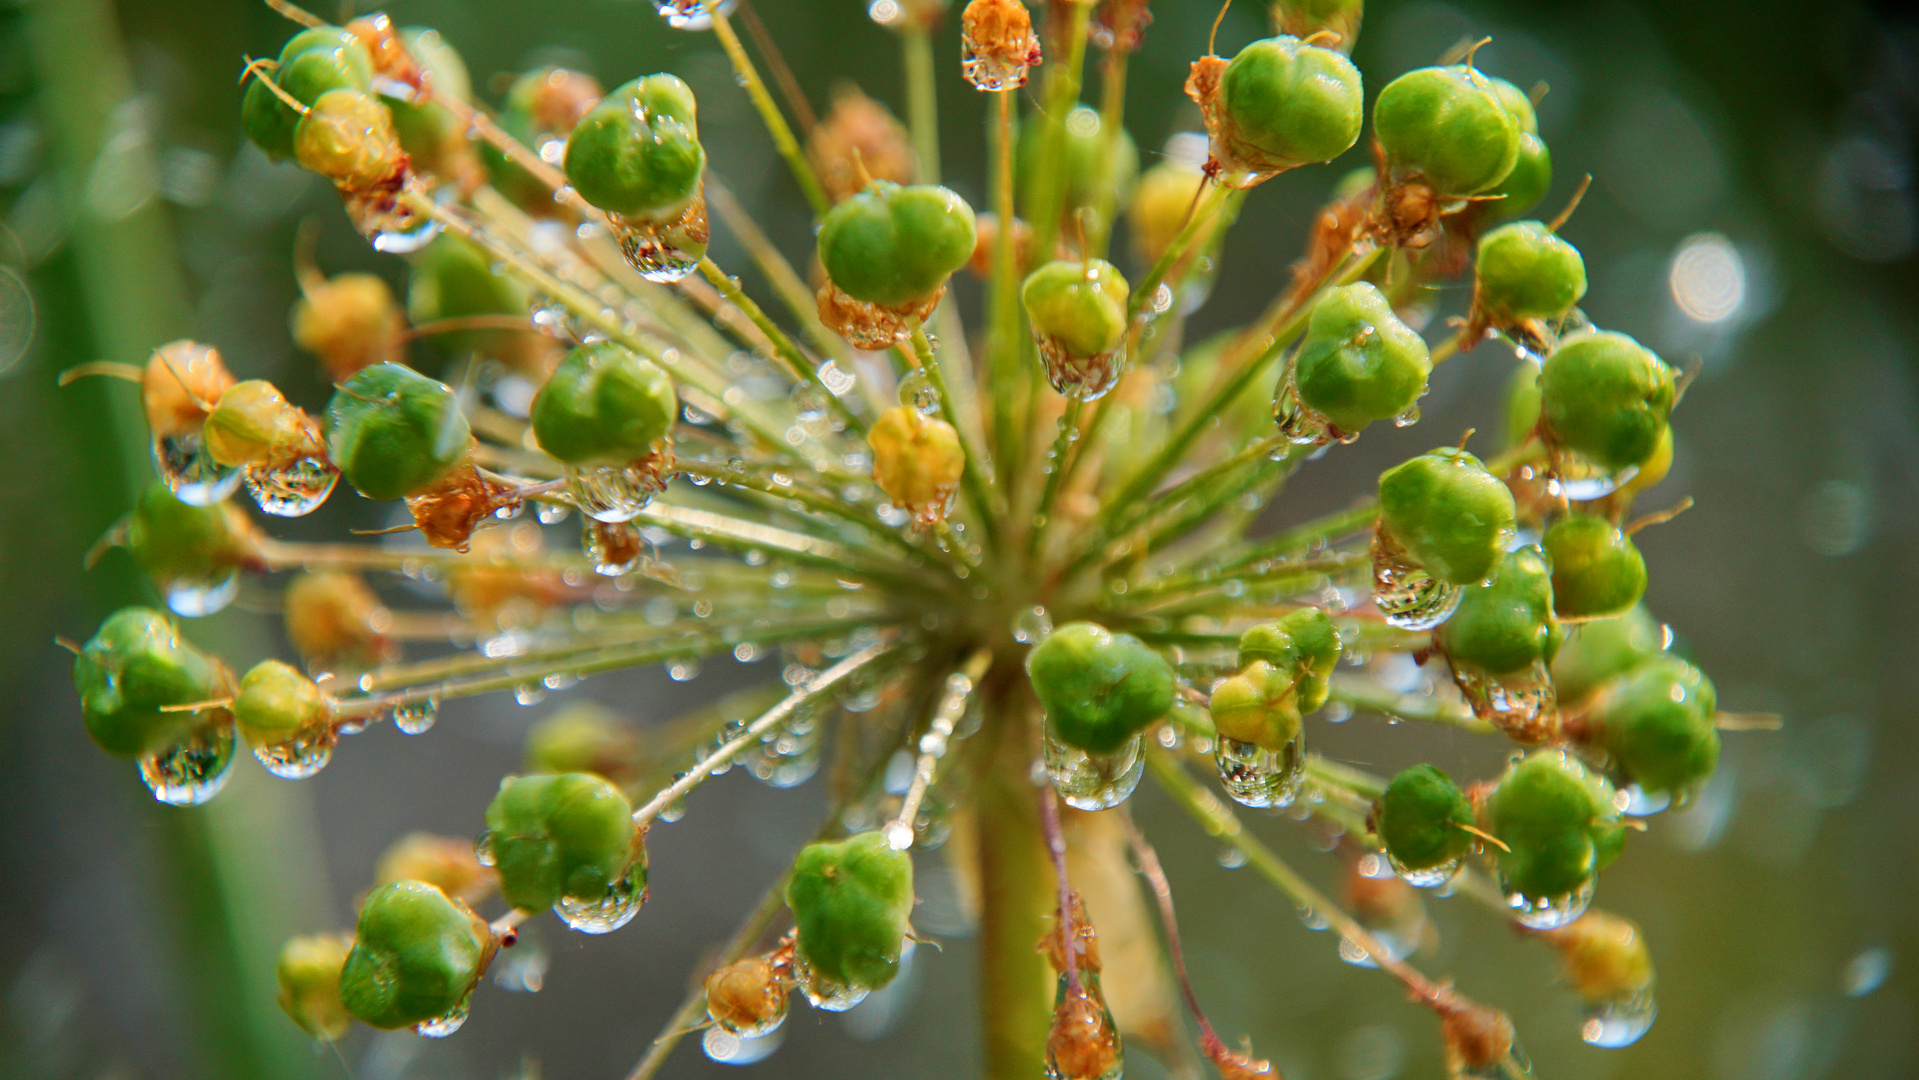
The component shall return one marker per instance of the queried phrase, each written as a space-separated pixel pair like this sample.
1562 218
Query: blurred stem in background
238 875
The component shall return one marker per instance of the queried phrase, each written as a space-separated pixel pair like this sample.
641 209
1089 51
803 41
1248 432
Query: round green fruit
553 836
604 405
1657 725
454 278
1602 649
313 62
277 701
1304 645
175 541
1098 688
1359 362
892 246
1450 125
1080 307
416 956
637 153
1597 569
1284 103
851 902
1522 404
1558 820
1260 705
1449 512
1525 272
1604 395
393 432
1505 625
136 667
1420 817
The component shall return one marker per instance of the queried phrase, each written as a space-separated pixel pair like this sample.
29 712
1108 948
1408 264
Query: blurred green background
1754 212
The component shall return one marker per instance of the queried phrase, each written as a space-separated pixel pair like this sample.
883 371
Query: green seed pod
892 246
1517 102
1603 649
918 461
637 153
1522 404
1657 724
312 63
309 976
136 666
851 902
429 132
1449 512
1284 103
416 956
582 738
1451 126
394 432
172 541
1098 688
1079 307
1260 705
1360 363
1080 161
1559 820
1606 956
604 405
454 278
276 701
1531 178
1304 645
542 105
1419 819
569 835
1597 569
1504 626
1525 272
1604 395
347 136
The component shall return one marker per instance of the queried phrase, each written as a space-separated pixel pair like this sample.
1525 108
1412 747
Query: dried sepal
997 44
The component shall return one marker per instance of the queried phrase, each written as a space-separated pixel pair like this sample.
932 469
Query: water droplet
732 1048
1230 857
1548 912
416 718
483 849
606 913
1407 418
1095 781
614 548
407 236
1524 705
1031 625
664 251
1638 802
824 993
1577 479
530 693
1408 595
299 757
441 1026
194 769
1085 378
1256 776
1300 423
191 599
189 470
522 969
683 670
918 393
1428 878
1619 1021
294 489
1083 1042
614 493
552 513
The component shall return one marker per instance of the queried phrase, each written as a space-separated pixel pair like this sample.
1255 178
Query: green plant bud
1451 126
1419 819
312 63
172 541
347 136
1079 307
1558 819
1284 103
917 460
1657 724
637 153
851 902
1085 176
1098 688
891 245
1303 644
1606 956
542 105
394 432
604 405
136 666
1604 395
416 956
1449 512
1505 625
1527 184
1603 649
1522 404
430 133
553 836
1260 705
582 738
1359 363
276 700
1597 569
308 972
1525 272
1517 102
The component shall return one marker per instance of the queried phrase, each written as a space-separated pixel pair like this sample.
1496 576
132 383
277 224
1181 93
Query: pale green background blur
1755 212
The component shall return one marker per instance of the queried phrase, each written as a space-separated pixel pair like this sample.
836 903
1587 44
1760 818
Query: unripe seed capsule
1525 272
179 544
637 153
1257 706
1605 954
133 673
453 278
1606 397
394 432
308 972
347 136
542 108
1303 644
1420 819
1597 569
1450 126
1560 823
332 617
1281 103
254 424
1504 626
851 902
895 246
918 461
1522 189
349 321
1449 513
416 957
312 63
604 405
560 836
1098 688
430 133
1656 724
1359 363
1599 650
1078 314
276 702
585 738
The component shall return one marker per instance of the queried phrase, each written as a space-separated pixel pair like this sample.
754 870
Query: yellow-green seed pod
309 976
917 461
276 701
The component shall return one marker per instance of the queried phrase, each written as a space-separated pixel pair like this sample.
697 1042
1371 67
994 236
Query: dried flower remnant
997 44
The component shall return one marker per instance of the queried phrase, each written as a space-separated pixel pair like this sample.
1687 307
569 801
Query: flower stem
978 476
803 368
933 745
922 101
1003 312
776 126
1055 466
1061 93
1417 707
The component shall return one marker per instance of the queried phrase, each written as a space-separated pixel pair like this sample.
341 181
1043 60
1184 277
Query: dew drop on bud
1523 705
1619 1021
416 718
446 1024
918 393
193 598
301 756
1258 777
607 913
1095 781
826 994
1406 593
194 769
293 489
184 462
1547 912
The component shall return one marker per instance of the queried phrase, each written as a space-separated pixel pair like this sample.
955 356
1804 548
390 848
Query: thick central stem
1016 896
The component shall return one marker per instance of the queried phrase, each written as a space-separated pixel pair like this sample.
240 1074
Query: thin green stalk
1336 563
1055 467
1266 474
1336 774
816 501
1003 308
721 530
1063 77
922 102
978 478
803 368
1112 117
1166 500
1209 204
779 273
1300 537
1017 895
1421 708
776 126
